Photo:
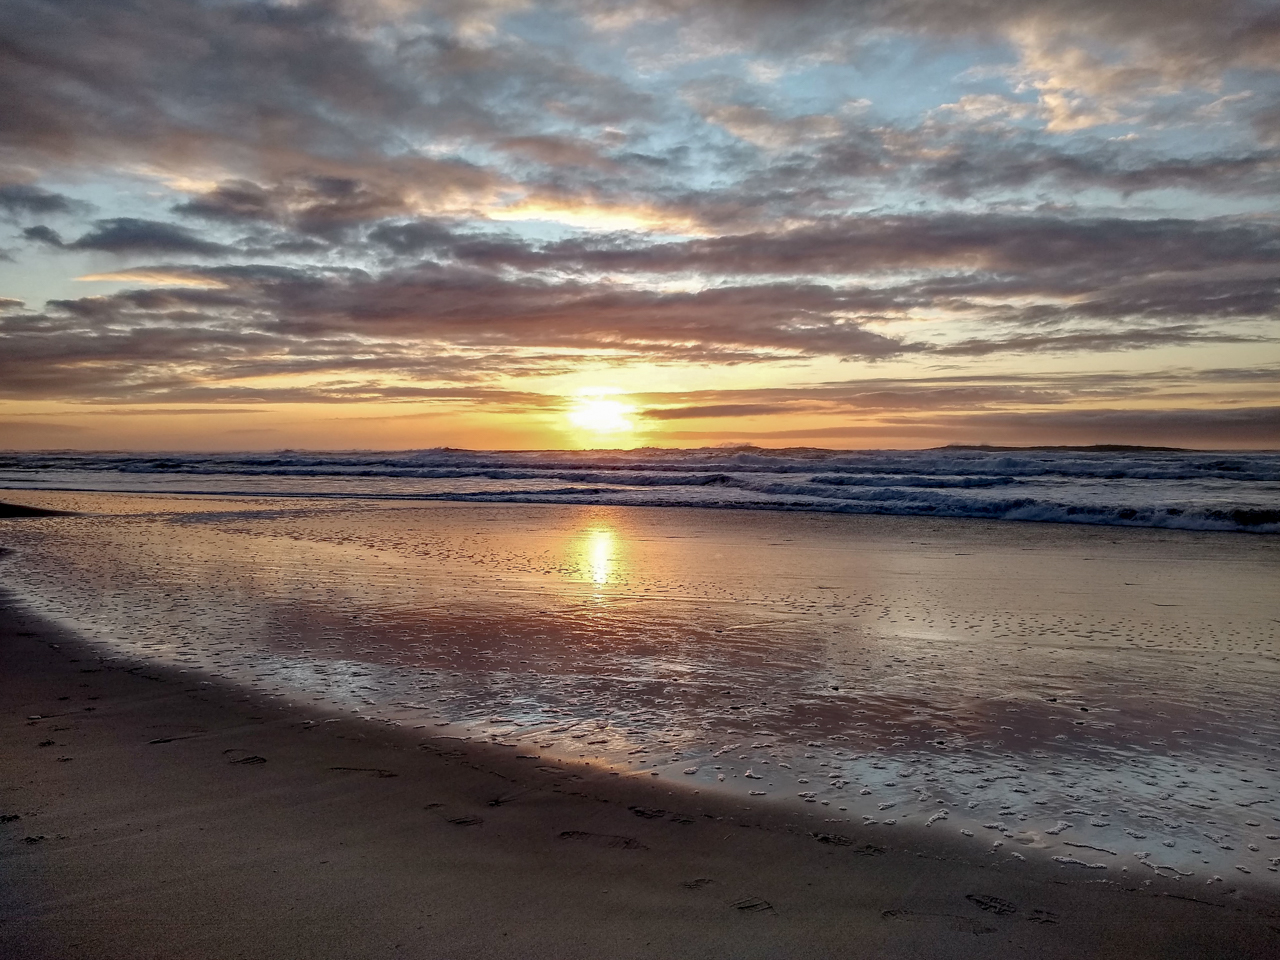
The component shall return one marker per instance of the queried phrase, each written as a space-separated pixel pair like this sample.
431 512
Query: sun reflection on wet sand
598 554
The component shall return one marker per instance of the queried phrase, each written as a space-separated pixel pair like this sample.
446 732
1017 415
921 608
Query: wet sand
1100 699
148 813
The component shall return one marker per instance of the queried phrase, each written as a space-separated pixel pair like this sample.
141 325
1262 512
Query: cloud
323 205
1095 340
418 236
473 308
218 325
21 199
43 234
1239 428
875 398
1101 248
712 410
131 235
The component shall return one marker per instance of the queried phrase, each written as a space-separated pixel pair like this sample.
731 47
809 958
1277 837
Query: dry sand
153 814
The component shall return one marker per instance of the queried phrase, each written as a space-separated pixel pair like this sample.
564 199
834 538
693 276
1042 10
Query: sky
394 224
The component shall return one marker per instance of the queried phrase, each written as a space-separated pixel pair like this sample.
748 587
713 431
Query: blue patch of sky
903 80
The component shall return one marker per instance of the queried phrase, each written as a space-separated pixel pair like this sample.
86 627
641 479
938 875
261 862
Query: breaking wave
1099 485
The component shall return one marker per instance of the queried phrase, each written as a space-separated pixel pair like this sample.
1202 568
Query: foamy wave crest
1098 485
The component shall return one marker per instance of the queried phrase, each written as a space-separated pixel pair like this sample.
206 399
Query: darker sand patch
9 511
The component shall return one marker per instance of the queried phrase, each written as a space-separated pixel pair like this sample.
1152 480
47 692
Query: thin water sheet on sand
1101 699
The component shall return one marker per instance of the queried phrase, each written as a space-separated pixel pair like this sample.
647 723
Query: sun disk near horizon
596 414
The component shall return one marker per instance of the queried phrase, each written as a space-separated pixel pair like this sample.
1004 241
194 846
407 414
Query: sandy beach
150 816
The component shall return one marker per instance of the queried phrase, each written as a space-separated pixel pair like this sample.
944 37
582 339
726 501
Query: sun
596 415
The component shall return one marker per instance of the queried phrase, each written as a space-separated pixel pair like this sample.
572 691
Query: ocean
1142 487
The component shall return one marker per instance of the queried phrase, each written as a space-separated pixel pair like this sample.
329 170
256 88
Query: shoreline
1167 489
209 817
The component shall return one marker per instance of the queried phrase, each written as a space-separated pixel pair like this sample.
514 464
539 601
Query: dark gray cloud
1098 248
43 234
130 235
323 205
976 167
1036 283
133 235
1095 340
24 199
417 237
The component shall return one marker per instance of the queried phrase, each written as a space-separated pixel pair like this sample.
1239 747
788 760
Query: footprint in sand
243 757
697 884
376 771
835 839
839 840
985 901
466 821
753 905
609 840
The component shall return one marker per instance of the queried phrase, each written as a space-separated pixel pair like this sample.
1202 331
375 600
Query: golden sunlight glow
592 216
598 415
158 278
599 555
